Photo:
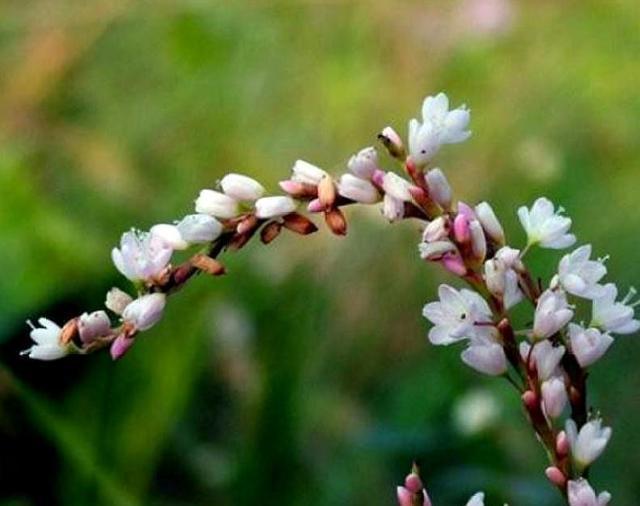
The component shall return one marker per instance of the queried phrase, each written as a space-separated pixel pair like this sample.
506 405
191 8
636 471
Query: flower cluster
545 358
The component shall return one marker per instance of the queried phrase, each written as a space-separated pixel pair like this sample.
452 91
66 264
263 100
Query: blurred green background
304 376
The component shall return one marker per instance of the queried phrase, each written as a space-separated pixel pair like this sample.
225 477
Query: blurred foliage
302 377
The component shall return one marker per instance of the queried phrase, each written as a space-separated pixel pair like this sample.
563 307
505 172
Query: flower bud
486 358
272 207
327 192
552 314
392 208
396 187
562 444
490 223
217 204
478 241
461 229
91 326
171 236
494 276
358 190
392 141
436 230
439 188
556 476
199 228
241 187
436 250
364 163
121 346
144 312
554 396
454 263
315 206
117 300
306 173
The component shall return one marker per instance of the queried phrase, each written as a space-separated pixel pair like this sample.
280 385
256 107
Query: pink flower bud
461 229
554 396
315 206
454 264
556 476
562 444
120 346
413 483
91 326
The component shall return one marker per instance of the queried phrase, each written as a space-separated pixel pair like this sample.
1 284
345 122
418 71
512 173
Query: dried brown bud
336 221
69 331
299 224
270 231
327 192
207 264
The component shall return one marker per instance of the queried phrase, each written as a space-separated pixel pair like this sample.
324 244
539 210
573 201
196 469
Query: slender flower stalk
545 359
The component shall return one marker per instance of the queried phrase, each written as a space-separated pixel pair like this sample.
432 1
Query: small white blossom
141 256
612 316
490 222
171 235
439 188
242 188
272 207
217 204
485 357
476 500
580 493
364 163
47 341
554 396
144 312
93 325
439 126
580 276
392 208
510 257
588 345
199 228
397 187
552 314
456 315
545 226
307 173
117 300
545 356
357 189
588 444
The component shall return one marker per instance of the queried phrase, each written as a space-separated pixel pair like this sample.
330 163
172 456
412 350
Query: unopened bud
392 141
144 312
562 444
556 476
207 264
296 189
327 192
93 325
478 241
397 187
299 224
199 228
494 277
121 346
357 189
436 250
241 187
439 188
436 230
272 207
216 204
364 163
490 222
117 300
247 224
461 229
554 396
454 264
315 206
170 235
307 173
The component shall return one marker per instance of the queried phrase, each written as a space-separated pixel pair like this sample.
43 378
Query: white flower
545 356
552 313
580 493
490 222
485 357
171 235
456 315
501 279
476 500
612 316
588 345
510 257
91 326
47 341
217 204
117 300
144 312
397 187
439 188
142 256
588 444
306 173
579 276
439 126
545 226
357 189
241 187
392 208
554 396
271 207
364 163
199 228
